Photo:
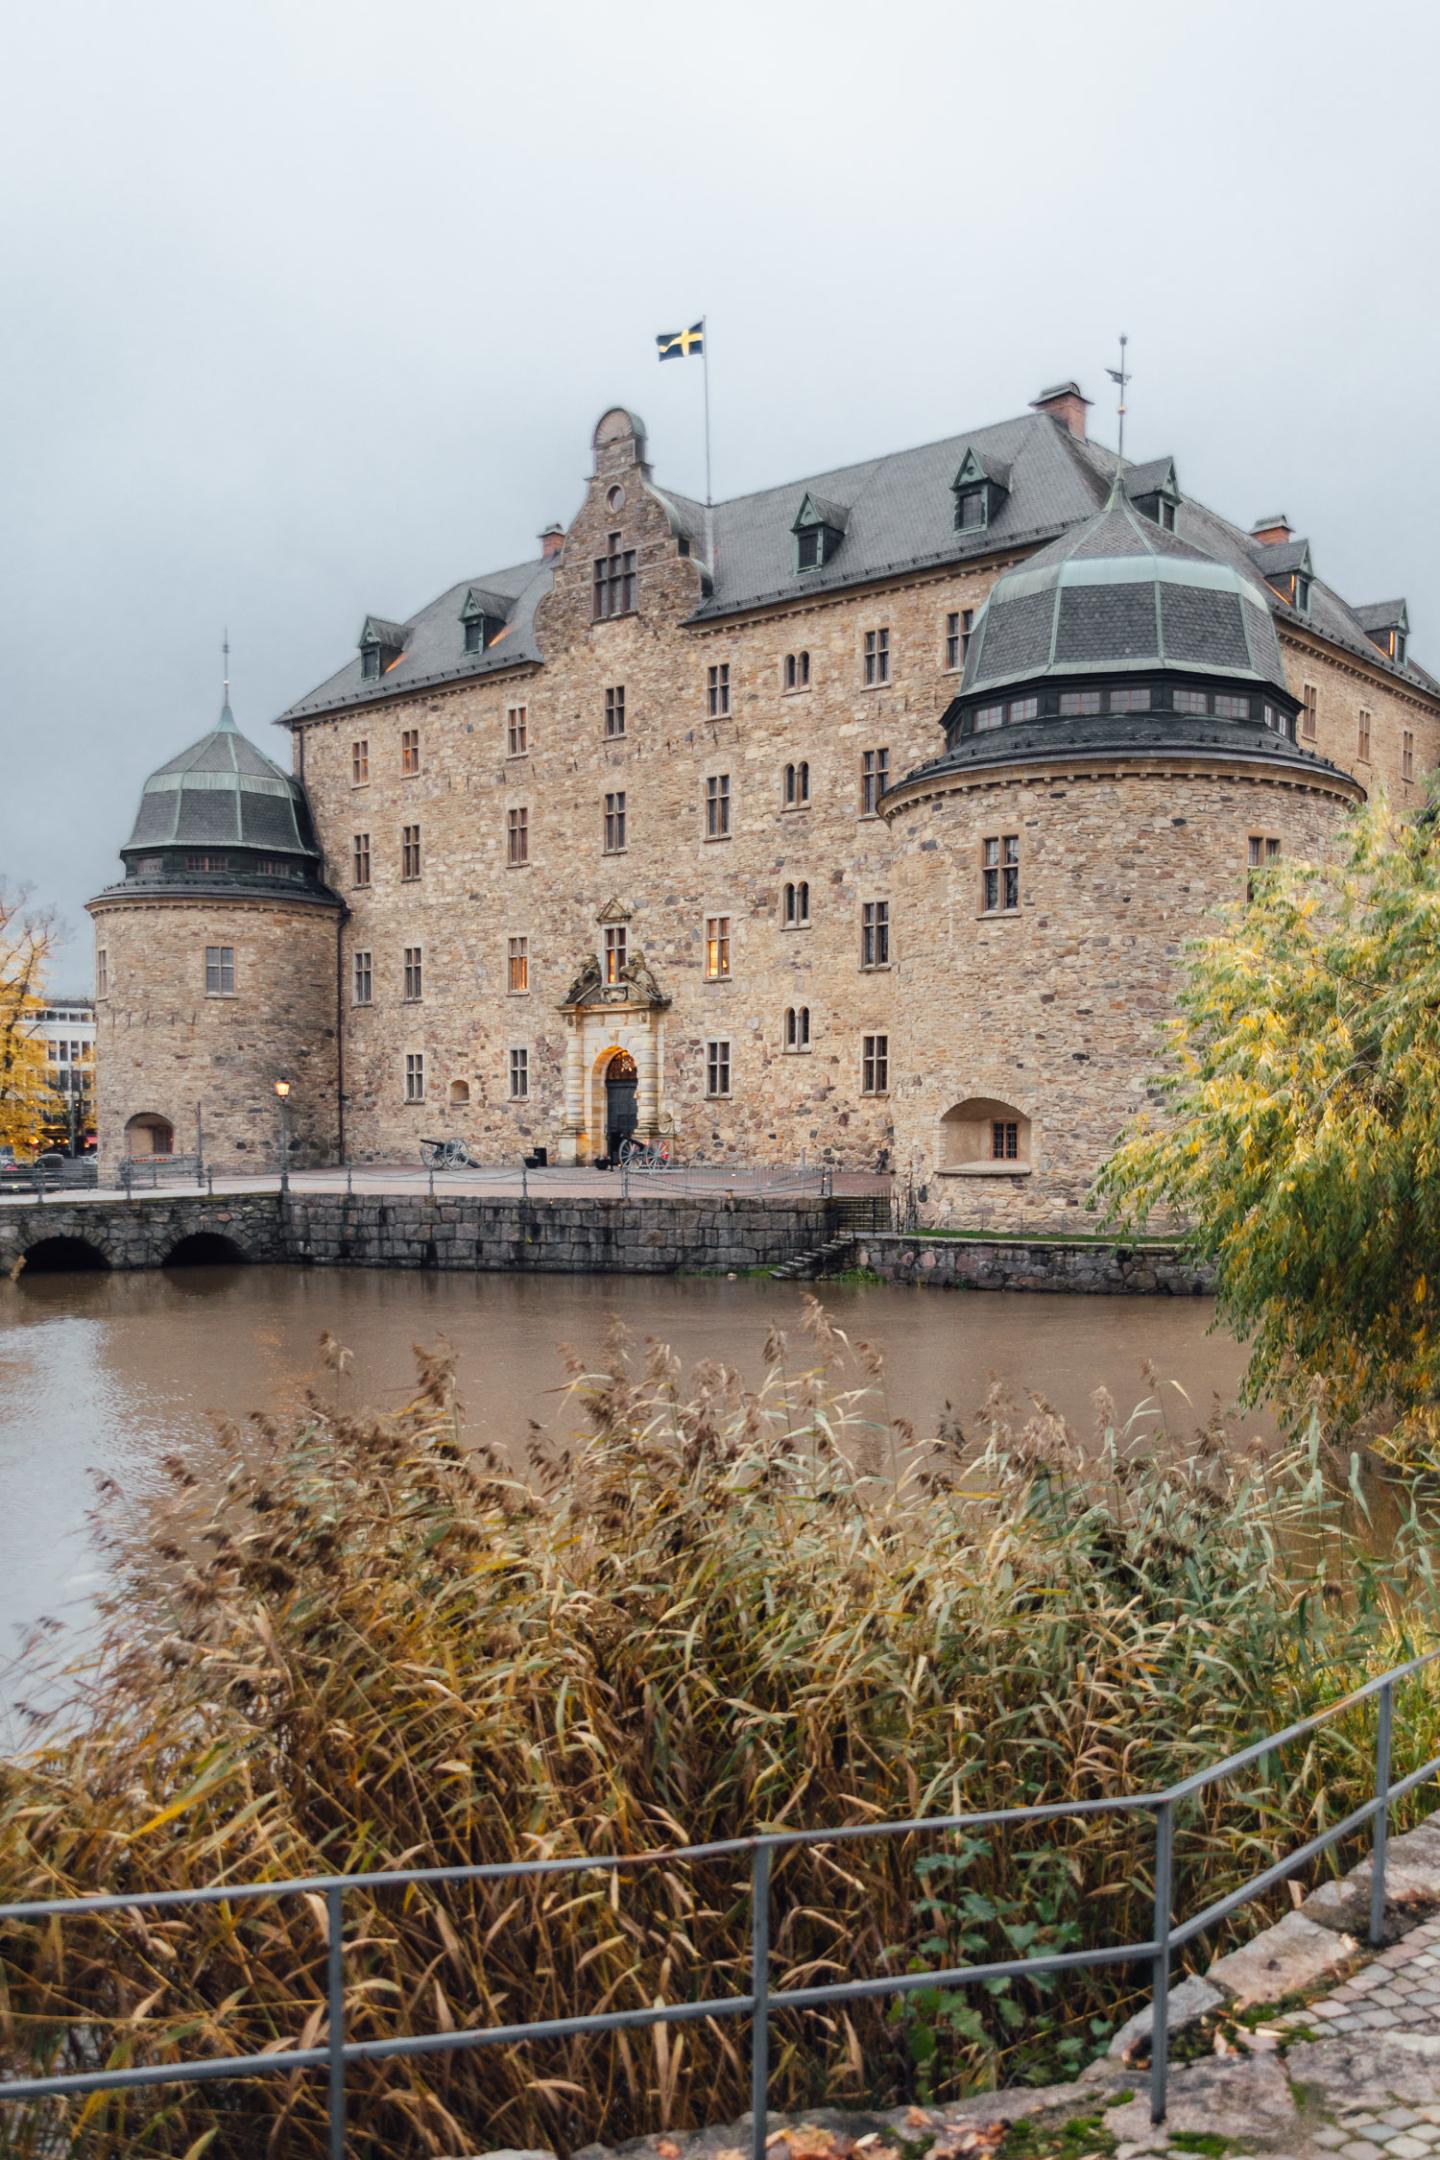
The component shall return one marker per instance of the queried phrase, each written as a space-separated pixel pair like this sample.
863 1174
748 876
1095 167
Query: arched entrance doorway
622 1107
149 1134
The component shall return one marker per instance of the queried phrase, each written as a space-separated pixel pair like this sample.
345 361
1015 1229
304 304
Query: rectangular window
1264 849
717 807
717 948
517 733
1004 1140
617 941
1309 711
413 975
717 1068
614 579
875 1065
1187 701
877 657
1407 755
518 966
1000 874
958 628
518 837
875 934
410 851
219 971
414 1076
360 863
519 1075
614 712
410 750
717 692
363 980
1132 700
615 823
1362 737
102 973
874 779
1231 708
359 763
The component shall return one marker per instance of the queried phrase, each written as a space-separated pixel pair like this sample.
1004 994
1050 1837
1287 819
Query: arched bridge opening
64 1256
205 1248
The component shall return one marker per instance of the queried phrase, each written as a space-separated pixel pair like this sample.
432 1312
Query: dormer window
1160 509
980 488
483 618
819 528
381 644
1286 568
1154 491
1387 625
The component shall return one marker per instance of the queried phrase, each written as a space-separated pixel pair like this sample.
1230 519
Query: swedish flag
682 344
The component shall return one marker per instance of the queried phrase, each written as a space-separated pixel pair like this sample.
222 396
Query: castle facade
863 818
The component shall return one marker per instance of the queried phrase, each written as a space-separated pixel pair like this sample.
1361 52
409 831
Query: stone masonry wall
163 1046
1055 1014
940 1263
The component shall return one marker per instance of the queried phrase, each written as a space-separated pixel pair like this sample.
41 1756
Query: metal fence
761 2002
29 1181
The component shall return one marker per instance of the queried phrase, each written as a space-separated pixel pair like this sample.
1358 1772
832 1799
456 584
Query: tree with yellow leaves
1299 1134
26 939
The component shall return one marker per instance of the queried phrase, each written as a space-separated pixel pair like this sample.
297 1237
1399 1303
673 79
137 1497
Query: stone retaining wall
1020 1264
554 1236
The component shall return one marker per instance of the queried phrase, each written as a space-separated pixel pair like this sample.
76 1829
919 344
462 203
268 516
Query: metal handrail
761 2001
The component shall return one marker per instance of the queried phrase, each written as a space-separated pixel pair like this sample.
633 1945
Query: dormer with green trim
381 644
484 616
980 489
819 528
1287 569
1155 491
1387 624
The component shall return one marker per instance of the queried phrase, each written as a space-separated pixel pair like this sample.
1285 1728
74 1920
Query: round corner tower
216 967
1120 760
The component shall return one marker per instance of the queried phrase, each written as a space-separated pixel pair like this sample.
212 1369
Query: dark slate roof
223 792
435 645
1151 478
1118 593
1277 558
1126 735
378 630
900 517
1383 615
825 509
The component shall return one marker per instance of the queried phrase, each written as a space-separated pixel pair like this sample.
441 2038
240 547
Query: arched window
149 1134
983 1136
459 1091
797 785
795 909
797 1027
797 671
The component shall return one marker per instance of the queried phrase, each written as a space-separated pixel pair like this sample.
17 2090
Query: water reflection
111 1372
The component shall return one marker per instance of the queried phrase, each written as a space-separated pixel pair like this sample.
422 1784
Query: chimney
1065 402
1270 530
551 542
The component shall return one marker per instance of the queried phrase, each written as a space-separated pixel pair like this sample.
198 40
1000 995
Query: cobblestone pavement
1391 2007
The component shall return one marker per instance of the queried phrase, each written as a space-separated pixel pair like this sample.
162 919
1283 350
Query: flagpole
705 363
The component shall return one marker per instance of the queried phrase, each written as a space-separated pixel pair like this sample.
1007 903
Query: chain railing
760 2002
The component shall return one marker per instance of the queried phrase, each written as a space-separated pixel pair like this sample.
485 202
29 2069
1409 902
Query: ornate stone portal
613 1010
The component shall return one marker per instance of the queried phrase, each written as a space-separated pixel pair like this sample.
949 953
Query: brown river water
110 1372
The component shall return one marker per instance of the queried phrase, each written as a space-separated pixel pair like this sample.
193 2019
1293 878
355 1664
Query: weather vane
1119 375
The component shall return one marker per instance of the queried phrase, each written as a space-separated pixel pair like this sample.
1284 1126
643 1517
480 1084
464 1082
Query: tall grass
358 1643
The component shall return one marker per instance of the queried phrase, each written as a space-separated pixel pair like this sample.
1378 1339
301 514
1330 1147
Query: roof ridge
881 457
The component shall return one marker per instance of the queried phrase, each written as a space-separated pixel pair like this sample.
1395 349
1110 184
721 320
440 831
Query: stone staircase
823 1260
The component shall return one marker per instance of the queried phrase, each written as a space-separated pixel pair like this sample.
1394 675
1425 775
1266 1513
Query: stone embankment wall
950 1263
568 1237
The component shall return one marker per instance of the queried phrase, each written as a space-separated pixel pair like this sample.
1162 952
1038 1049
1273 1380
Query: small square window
519 1075
517 977
717 1069
1004 1140
219 971
875 1065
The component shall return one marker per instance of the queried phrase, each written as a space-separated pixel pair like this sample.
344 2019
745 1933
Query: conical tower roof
1119 593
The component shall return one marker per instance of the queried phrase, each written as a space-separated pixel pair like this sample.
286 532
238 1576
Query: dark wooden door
621 1105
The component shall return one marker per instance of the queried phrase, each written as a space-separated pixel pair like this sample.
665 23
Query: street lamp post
282 1091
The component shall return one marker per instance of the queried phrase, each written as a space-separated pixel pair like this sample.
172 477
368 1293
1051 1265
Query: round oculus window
615 500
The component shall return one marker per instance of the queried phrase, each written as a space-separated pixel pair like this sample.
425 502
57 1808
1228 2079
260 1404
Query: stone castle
863 818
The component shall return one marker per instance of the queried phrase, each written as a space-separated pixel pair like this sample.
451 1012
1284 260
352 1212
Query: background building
67 1026
660 830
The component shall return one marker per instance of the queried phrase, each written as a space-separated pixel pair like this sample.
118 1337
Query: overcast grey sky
309 307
